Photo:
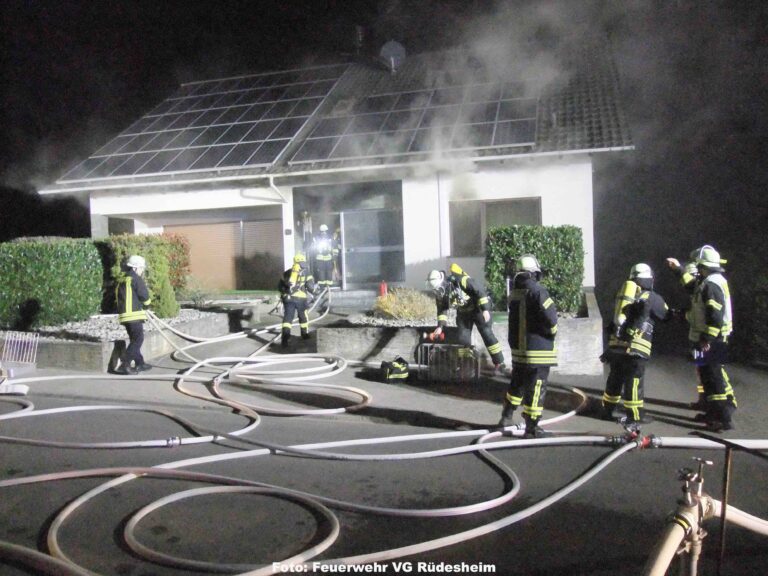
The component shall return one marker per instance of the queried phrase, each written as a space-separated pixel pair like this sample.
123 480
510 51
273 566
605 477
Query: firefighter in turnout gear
296 287
532 331
132 296
710 322
473 308
688 275
638 308
323 249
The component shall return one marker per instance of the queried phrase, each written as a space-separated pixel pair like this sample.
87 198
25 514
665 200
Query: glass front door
372 247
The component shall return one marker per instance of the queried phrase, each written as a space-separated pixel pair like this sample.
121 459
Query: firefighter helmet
435 279
136 261
527 263
323 228
641 271
709 258
299 258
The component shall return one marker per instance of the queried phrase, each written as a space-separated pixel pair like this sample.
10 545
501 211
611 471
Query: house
412 159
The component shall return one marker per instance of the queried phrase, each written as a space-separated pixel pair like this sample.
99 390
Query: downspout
276 189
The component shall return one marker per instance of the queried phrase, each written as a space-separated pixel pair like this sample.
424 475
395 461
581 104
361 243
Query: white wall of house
563 184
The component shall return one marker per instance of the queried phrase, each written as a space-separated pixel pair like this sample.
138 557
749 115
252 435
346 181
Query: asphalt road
607 526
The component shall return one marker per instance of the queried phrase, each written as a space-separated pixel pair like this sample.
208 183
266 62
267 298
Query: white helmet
527 263
323 228
709 258
136 261
641 271
435 279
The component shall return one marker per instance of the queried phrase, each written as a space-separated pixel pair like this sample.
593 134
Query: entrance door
373 250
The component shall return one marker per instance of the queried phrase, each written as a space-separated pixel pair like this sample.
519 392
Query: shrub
48 281
154 248
405 304
560 252
178 259
194 291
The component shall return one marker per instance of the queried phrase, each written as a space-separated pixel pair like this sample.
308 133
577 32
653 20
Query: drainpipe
276 189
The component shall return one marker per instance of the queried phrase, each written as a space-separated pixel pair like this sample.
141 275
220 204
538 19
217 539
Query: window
471 220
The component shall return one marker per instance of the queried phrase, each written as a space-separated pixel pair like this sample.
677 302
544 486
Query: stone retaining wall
579 342
101 356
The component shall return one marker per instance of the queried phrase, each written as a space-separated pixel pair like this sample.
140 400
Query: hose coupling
173 442
618 440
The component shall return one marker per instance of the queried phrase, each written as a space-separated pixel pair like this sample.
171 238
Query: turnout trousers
291 308
324 272
625 383
136 340
528 386
718 392
464 323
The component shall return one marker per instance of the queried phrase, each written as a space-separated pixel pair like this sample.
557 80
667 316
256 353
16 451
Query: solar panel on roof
446 118
219 124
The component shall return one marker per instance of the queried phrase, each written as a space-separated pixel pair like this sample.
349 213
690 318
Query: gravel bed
105 328
370 320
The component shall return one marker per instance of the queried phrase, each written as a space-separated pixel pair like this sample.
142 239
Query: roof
361 114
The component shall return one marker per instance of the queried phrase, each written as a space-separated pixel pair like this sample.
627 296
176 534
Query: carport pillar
289 232
99 226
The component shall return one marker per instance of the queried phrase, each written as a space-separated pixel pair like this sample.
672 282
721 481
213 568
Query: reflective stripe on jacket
711 316
532 324
132 295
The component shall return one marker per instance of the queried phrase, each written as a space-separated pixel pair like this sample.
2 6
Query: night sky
693 72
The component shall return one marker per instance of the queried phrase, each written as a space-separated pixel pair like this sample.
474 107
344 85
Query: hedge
178 260
559 250
154 248
48 281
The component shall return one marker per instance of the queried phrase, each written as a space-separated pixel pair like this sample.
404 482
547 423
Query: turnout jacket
132 296
297 283
463 294
637 310
532 323
710 317
323 247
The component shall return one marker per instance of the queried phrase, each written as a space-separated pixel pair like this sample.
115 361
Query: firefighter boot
304 335
606 412
284 338
700 404
533 430
507 414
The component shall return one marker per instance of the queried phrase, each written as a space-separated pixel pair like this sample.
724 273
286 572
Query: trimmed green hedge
48 281
178 259
559 249
155 249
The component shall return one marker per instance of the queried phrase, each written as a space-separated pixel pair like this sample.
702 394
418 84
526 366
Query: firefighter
710 327
473 308
532 331
638 308
132 296
296 287
322 247
689 278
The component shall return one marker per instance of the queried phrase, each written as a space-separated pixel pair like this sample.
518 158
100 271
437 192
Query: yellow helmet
299 258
